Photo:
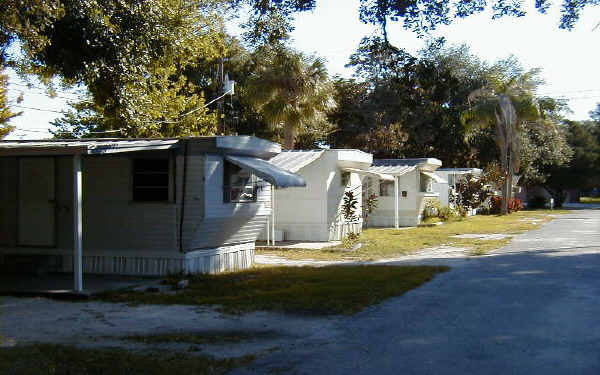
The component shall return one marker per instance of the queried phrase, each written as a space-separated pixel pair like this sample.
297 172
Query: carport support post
396 203
77 227
273 214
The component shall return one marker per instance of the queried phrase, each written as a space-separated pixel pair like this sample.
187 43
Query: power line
45 89
192 111
37 109
558 92
33 130
44 93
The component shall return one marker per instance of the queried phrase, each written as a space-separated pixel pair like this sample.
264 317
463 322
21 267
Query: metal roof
395 170
84 146
268 171
405 162
398 167
295 160
237 145
460 170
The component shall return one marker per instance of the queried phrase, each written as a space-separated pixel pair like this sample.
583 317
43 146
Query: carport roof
398 167
85 147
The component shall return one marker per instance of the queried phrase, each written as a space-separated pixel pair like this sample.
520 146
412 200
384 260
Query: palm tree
504 106
290 89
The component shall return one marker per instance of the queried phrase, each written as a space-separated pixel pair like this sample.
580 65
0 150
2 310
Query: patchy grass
202 338
381 243
324 290
589 199
67 360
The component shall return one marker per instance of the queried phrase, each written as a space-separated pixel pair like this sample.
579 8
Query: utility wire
31 87
48 131
36 109
190 112
42 93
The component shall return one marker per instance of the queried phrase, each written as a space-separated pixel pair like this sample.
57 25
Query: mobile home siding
227 223
192 171
112 220
64 202
9 197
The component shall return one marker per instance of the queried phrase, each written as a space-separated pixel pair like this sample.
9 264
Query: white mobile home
137 206
314 213
452 176
401 202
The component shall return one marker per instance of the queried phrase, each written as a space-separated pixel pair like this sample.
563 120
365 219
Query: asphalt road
530 308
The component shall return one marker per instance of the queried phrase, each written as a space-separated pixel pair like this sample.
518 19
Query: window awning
434 177
381 176
277 176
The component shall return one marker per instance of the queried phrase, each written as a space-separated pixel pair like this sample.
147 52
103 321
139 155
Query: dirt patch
26 321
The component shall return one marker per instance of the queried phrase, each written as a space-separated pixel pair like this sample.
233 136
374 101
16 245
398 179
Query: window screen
239 184
426 184
151 180
386 188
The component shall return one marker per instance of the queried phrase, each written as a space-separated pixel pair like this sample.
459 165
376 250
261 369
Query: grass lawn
49 359
589 200
388 242
324 290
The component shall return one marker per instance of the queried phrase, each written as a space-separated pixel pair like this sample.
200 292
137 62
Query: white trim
77 225
396 204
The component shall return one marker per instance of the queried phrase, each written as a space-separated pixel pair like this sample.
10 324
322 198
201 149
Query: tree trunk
289 136
509 190
504 209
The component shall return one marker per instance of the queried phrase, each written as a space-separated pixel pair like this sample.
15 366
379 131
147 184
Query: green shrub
446 213
431 208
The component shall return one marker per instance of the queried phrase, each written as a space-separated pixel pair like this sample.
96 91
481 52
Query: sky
569 59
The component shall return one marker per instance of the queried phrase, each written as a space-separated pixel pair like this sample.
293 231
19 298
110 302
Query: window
451 178
386 188
345 178
426 184
239 184
404 193
151 180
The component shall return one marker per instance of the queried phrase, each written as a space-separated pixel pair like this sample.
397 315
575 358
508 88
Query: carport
36 206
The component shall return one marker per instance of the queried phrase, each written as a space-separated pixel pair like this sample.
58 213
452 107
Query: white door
36 202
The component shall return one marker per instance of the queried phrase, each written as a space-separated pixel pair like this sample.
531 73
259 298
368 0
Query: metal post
268 230
77 226
396 203
273 214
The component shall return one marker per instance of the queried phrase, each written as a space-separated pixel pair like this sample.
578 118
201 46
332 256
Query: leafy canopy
5 113
132 55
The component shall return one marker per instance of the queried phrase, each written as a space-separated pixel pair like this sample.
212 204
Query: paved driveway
531 308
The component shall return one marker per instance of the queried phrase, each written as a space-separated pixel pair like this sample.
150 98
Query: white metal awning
267 171
434 176
394 170
381 176
295 160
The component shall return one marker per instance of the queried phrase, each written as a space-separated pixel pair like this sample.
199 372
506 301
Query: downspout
183 190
